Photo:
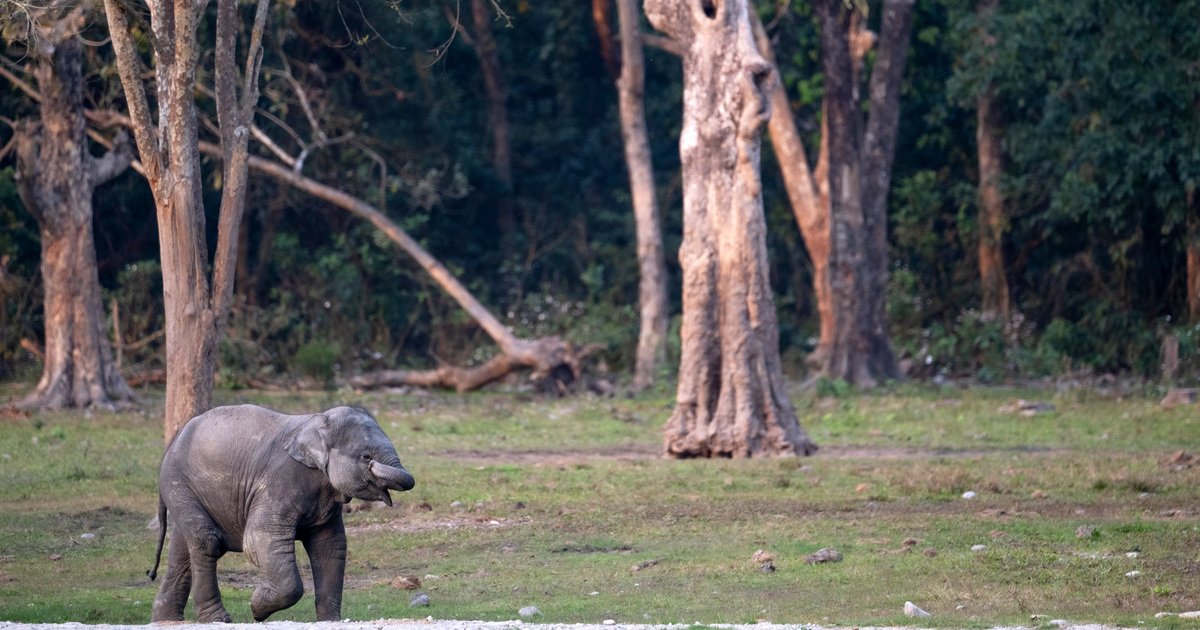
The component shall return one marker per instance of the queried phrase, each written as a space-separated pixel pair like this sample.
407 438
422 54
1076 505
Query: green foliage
318 360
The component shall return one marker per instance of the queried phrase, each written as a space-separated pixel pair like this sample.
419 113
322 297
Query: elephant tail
162 535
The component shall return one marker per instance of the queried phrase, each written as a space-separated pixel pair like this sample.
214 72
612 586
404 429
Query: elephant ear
308 443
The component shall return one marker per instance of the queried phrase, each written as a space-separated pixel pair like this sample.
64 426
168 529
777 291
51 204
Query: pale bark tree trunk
652 284
195 315
879 149
993 280
731 400
56 176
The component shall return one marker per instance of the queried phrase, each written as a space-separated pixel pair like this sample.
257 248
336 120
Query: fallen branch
550 357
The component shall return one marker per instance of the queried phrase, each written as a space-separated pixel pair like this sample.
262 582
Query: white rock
979 548
1061 623
960 607
456 504
420 599
529 611
1163 614
1133 574
594 593
911 610
1131 554
969 494
1195 614
610 622
87 535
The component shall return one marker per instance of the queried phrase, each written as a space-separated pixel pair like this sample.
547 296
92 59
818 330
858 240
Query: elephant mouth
392 477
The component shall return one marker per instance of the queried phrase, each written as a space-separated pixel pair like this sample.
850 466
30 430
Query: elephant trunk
393 477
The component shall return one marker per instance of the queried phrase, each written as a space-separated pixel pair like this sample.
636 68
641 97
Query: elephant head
349 447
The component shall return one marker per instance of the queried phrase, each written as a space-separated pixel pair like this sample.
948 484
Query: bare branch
22 85
129 68
664 44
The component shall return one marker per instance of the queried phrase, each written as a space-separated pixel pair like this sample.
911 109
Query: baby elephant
249 479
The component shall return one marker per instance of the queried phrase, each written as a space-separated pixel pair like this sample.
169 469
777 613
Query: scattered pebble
610 622
456 504
931 552
1131 554
911 610
1144 495
87 535
767 567
979 548
420 599
761 556
594 593
969 494
529 611
828 554
960 607
1133 574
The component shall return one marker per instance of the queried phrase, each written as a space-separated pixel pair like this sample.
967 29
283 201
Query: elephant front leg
326 548
275 555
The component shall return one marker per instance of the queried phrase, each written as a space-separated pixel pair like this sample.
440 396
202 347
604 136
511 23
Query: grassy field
558 500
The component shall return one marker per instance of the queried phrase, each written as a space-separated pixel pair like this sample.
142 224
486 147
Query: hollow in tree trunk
652 290
56 176
731 400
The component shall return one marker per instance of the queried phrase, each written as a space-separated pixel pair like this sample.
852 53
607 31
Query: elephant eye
366 457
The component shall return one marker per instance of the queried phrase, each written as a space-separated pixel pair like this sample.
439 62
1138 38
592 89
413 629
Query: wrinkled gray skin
245 478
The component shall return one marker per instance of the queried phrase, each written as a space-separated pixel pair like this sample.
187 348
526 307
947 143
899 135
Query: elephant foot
267 601
216 616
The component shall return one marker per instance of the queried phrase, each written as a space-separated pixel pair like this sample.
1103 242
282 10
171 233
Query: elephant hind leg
276 556
205 549
176 584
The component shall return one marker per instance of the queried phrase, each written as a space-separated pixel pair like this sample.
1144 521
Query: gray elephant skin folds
248 479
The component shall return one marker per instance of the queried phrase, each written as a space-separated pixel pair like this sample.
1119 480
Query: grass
561 498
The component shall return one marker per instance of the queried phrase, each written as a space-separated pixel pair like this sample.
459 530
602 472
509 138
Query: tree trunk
496 89
879 148
849 351
992 218
810 205
170 157
56 176
602 21
1193 259
731 400
652 289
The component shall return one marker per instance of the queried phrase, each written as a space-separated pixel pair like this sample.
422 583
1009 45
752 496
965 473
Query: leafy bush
318 359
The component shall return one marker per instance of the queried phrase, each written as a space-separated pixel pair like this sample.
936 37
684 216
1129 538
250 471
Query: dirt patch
626 549
459 522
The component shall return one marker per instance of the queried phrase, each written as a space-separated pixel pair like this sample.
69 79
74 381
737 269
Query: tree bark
879 148
652 289
195 313
731 400
56 176
602 21
496 88
993 280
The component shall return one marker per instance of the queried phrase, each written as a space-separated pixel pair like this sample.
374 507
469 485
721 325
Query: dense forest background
1101 111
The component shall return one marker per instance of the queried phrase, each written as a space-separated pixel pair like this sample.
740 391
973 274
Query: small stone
594 593
828 554
529 611
969 494
1038 494
979 548
55 556
420 599
767 567
1133 574
1163 614
1195 614
87 535
1085 531
911 610
1131 554
430 576
647 616
610 622
456 504
960 607
931 552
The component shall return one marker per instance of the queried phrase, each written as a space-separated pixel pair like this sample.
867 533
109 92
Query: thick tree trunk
847 358
56 176
993 280
731 400
879 148
170 157
652 287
